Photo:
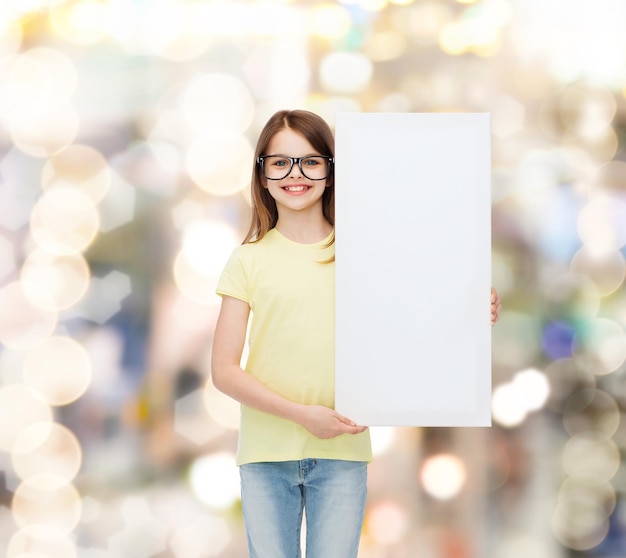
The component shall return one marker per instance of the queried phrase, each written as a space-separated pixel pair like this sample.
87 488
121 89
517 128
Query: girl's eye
280 163
311 162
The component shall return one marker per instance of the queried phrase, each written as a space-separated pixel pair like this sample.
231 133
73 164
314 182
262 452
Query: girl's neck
306 229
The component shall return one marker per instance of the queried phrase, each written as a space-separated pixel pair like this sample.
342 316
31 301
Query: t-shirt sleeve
234 279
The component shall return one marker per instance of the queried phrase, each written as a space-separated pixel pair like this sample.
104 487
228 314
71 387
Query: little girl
295 451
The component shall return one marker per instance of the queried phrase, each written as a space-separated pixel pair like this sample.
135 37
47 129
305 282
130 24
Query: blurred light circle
602 223
10 37
224 410
47 448
36 83
567 376
215 481
578 525
424 20
589 454
591 410
521 546
81 21
20 406
217 102
606 269
64 221
22 324
54 282
605 340
194 285
169 30
205 535
602 148
507 406
385 45
49 501
453 38
533 388
54 130
345 72
443 476
571 297
372 5
81 167
586 110
387 522
383 438
207 245
220 164
59 368
613 176
41 541
329 21
600 495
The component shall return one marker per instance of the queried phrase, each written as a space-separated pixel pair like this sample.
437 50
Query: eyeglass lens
313 168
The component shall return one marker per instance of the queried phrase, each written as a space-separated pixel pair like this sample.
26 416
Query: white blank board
413 269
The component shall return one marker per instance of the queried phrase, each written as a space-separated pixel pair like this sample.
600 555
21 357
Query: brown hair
318 133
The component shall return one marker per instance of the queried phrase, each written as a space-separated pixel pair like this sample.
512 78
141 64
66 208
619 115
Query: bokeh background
126 136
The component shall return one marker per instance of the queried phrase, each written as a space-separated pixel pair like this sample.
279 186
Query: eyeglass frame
261 158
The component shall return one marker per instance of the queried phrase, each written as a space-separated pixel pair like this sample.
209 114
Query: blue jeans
273 497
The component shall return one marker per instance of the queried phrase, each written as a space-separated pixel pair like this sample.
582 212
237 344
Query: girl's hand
326 423
496 306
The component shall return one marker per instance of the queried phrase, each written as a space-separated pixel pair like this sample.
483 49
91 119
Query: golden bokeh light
54 130
20 407
36 83
46 448
345 72
81 167
569 297
81 21
387 522
605 340
54 282
194 285
10 37
64 221
47 500
22 324
207 245
443 476
589 454
217 101
40 541
214 480
59 369
170 31
591 410
606 269
220 163
578 524
329 21
386 45
224 410
599 223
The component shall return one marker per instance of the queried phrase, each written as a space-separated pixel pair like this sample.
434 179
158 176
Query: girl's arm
229 378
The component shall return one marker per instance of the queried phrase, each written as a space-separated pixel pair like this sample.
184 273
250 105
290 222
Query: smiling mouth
296 188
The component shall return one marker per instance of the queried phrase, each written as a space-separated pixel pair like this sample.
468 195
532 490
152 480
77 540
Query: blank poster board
413 269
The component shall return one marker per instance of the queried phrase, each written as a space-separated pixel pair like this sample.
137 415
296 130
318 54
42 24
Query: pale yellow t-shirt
292 345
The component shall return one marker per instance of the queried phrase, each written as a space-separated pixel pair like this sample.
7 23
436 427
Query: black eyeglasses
313 167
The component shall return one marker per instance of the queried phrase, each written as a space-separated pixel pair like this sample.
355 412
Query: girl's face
295 192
